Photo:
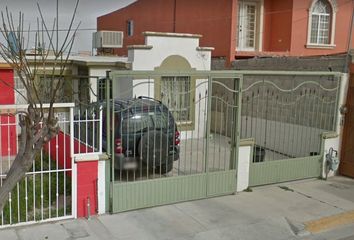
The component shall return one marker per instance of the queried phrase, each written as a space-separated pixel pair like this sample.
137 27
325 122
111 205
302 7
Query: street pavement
308 209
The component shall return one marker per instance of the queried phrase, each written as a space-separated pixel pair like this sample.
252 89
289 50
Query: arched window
321 23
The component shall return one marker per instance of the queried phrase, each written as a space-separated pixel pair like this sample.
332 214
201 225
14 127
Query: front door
347 155
247 26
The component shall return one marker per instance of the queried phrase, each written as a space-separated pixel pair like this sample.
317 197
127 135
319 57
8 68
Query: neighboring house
81 86
81 77
241 28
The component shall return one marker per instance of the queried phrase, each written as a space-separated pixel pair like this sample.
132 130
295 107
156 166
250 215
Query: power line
59 30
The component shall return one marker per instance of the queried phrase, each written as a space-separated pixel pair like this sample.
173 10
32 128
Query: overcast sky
87 14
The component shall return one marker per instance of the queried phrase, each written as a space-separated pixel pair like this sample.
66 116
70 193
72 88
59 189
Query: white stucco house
168 54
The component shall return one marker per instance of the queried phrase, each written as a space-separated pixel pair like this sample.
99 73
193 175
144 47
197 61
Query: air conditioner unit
107 39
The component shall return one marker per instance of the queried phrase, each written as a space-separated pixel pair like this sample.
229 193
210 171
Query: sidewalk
274 212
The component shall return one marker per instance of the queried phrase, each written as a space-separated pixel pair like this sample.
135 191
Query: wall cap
247 142
205 49
320 46
169 34
103 157
147 47
328 135
89 157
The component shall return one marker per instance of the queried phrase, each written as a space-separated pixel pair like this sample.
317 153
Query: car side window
136 123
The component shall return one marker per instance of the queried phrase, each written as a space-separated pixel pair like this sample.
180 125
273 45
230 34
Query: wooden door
347 155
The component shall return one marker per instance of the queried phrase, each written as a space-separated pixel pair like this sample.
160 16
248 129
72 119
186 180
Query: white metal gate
46 192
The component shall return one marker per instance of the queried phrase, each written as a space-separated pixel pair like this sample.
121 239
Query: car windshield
144 120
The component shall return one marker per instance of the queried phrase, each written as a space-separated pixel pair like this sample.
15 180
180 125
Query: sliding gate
176 148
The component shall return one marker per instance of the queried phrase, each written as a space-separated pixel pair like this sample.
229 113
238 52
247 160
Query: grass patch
40 195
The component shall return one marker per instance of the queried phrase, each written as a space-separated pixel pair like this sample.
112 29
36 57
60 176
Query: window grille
176 95
320 22
102 89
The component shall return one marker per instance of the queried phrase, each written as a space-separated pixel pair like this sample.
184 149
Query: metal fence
87 129
160 127
46 191
286 114
162 145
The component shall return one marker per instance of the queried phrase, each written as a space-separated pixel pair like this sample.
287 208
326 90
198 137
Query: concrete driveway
311 209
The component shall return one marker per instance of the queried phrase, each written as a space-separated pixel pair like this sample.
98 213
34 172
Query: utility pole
57 26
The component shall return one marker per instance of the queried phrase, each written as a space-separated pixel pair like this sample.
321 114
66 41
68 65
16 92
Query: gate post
235 137
207 133
73 166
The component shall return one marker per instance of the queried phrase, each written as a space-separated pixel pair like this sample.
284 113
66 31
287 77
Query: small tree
37 125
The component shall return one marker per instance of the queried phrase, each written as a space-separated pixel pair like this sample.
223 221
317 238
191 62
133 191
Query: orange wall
215 20
300 26
285 24
148 15
278 17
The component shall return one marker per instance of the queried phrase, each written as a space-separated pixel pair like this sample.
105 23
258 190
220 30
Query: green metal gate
262 173
286 114
185 153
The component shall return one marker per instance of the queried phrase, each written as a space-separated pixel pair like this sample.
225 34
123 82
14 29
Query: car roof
143 101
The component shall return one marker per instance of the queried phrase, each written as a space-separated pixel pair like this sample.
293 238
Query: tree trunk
17 171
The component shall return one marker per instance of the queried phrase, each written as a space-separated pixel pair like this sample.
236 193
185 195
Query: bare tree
38 125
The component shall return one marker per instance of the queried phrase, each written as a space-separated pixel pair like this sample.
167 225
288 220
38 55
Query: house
170 52
240 28
81 79
273 35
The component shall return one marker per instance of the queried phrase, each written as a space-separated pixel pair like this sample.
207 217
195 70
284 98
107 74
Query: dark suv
145 136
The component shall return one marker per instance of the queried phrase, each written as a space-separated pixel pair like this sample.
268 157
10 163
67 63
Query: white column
101 187
243 164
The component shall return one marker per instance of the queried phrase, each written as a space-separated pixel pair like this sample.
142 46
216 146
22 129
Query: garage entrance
166 142
286 114
347 151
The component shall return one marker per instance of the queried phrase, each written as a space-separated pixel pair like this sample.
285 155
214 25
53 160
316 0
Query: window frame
101 89
182 125
130 27
186 91
331 30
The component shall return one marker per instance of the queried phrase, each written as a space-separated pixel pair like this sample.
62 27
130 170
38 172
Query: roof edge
169 34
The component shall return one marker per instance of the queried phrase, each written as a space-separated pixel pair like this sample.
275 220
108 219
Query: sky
87 14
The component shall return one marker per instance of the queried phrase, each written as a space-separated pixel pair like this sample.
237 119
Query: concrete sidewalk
281 211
